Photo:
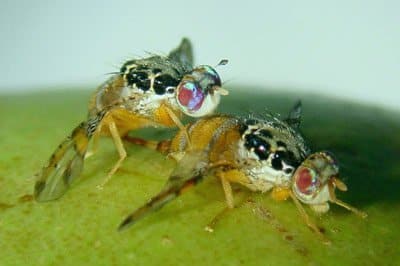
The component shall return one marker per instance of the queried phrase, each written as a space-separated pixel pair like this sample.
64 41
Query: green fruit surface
80 228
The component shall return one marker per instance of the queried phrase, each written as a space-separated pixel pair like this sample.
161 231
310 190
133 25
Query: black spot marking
139 78
265 133
281 144
159 89
288 170
251 122
291 159
260 146
251 141
156 70
145 85
262 151
162 82
123 69
277 160
125 66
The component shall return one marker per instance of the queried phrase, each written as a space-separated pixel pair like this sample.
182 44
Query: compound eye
190 96
199 92
306 181
210 75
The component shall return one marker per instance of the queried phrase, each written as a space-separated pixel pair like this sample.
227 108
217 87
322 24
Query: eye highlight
190 95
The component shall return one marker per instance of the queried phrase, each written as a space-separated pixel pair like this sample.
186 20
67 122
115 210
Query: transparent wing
183 54
189 171
64 166
294 117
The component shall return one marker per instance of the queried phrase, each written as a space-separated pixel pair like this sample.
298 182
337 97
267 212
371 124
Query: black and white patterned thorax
156 75
142 85
271 150
151 81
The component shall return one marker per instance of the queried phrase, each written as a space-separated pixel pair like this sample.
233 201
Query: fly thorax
155 74
266 154
152 81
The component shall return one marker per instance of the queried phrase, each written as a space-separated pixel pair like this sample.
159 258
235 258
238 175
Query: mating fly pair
260 154
150 92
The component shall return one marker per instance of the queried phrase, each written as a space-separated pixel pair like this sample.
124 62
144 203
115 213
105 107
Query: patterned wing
66 163
189 172
64 166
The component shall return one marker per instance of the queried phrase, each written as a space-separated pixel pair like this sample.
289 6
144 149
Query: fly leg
226 177
179 124
307 219
341 186
121 151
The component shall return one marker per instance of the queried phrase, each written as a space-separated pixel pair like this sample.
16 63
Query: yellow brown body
149 92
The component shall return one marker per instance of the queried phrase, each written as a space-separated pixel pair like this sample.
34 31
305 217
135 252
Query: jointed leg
211 225
121 151
307 220
226 177
226 186
343 204
179 124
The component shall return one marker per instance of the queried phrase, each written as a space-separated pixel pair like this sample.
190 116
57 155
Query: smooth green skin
80 228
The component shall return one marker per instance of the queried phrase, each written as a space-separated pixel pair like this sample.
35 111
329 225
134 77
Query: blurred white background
349 49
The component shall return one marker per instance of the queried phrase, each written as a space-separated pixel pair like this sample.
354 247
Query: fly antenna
223 62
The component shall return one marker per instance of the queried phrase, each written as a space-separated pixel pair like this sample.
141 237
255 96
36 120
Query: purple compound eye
190 96
199 91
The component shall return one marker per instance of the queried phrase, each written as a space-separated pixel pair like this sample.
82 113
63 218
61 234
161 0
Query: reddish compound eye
190 96
199 91
306 181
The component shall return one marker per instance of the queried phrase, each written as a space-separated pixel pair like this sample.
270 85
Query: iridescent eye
198 94
190 96
306 181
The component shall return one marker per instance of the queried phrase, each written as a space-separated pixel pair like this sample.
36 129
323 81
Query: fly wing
189 171
183 54
64 166
66 163
294 117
